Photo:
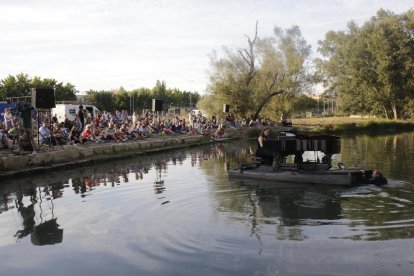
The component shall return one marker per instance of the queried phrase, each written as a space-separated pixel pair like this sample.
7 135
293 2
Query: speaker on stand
226 108
156 105
44 99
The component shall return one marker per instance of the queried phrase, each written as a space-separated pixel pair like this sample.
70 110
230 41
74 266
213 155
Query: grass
348 124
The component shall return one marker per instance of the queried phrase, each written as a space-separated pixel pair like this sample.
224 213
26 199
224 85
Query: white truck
69 111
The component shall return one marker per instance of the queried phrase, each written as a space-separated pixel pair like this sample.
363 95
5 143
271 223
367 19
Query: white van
70 111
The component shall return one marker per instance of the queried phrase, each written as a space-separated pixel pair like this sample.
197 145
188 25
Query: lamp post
191 86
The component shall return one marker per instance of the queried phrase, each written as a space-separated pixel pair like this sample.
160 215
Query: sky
106 44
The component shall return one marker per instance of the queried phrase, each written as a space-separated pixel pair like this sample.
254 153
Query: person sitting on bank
4 140
286 121
110 133
45 135
87 134
219 133
58 134
75 135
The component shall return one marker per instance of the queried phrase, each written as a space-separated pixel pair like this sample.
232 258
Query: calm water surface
179 214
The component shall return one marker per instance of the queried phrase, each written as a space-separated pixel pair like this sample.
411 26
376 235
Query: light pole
191 86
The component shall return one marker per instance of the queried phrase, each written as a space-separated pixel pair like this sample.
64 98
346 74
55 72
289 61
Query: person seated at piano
298 157
327 159
261 151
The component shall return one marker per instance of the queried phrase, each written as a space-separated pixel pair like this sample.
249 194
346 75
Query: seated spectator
12 133
109 133
59 135
75 135
135 132
44 133
4 140
219 132
286 122
192 130
122 133
87 134
97 130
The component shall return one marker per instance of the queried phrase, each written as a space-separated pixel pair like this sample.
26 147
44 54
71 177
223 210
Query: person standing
81 118
8 119
26 124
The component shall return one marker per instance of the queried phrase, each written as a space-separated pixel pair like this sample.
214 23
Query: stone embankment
49 158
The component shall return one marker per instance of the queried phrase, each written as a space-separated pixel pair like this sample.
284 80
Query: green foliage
370 68
371 127
102 100
140 99
248 79
21 85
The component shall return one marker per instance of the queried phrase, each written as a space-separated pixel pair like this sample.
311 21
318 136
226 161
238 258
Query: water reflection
283 211
291 207
37 215
377 213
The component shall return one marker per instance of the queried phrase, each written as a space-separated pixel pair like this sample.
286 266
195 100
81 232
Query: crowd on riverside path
108 127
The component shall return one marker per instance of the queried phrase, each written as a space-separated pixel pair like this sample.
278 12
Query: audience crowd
113 127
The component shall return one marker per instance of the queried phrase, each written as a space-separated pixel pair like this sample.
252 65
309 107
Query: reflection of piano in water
46 232
294 202
293 205
290 206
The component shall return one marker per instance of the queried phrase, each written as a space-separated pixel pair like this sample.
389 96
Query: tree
371 68
103 100
248 78
15 86
21 85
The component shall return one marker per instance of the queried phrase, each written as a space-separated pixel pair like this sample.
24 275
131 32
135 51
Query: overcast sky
105 44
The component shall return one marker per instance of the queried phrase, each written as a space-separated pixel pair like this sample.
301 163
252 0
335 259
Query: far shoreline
71 157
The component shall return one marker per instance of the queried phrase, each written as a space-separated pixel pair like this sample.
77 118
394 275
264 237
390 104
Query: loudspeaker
226 108
43 98
156 105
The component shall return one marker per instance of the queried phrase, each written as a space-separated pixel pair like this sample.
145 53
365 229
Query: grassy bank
339 125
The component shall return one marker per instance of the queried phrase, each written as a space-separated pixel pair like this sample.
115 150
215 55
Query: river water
177 213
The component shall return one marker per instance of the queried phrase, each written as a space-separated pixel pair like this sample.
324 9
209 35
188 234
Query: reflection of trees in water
4 203
292 208
383 152
287 206
374 208
372 212
382 213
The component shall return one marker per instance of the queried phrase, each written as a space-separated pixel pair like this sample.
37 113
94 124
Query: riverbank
343 125
49 158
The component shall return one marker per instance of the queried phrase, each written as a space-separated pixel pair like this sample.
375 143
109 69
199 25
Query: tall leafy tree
371 68
103 100
248 78
15 86
21 85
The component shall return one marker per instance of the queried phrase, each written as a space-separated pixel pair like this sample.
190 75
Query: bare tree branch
249 57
